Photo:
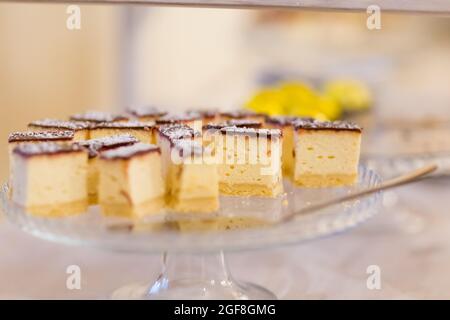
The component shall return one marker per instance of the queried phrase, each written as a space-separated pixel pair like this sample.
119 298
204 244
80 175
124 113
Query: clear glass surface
392 165
239 214
193 246
194 276
406 217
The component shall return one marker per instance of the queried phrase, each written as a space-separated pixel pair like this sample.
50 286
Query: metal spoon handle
406 178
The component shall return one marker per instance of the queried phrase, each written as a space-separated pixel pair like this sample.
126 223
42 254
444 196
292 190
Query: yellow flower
351 95
267 101
330 108
294 99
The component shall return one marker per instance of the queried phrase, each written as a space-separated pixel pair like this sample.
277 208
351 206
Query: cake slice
49 179
15 138
326 153
94 147
167 135
98 116
80 129
285 124
146 113
131 183
250 162
192 178
143 131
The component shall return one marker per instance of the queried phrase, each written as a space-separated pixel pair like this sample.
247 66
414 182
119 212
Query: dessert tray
197 243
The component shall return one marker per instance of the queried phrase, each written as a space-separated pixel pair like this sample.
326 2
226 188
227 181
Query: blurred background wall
47 70
187 58
191 57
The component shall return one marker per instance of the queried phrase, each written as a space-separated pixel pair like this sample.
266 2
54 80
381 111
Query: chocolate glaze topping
326 125
208 114
243 123
252 132
240 123
146 111
127 152
178 131
98 116
124 125
95 146
177 118
284 120
45 148
60 124
215 125
239 114
60 135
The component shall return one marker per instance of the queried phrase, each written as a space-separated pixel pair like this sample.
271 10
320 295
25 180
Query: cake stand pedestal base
196 277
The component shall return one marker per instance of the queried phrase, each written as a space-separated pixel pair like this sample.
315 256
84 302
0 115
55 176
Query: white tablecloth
412 250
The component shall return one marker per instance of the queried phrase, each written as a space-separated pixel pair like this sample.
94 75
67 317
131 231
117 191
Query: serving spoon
409 177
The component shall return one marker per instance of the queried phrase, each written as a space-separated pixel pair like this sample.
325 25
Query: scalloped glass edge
303 228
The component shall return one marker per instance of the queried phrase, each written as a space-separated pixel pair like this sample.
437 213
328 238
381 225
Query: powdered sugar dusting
146 111
202 113
94 146
326 125
178 118
125 125
285 120
178 131
98 116
238 114
244 123
129 151
240 123
40 136
60 124
252 132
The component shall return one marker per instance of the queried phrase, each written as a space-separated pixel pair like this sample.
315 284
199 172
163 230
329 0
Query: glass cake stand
193 247
405 217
